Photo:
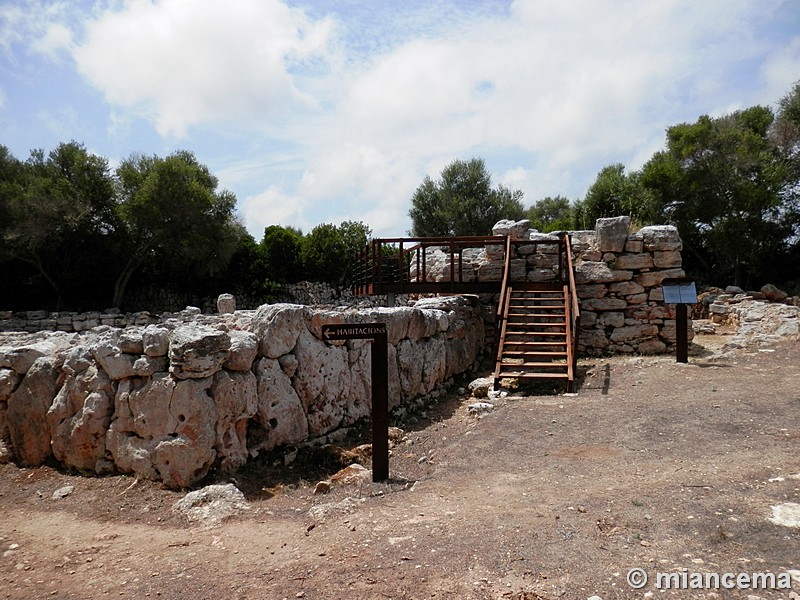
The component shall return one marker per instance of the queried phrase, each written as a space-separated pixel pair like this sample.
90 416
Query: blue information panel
679 291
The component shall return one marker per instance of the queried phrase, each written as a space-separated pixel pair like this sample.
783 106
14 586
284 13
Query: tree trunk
121 284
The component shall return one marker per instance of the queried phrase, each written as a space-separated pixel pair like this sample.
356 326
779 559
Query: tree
282 249
723 182
328 251
552 214
462 202
59 213
616 193
171 214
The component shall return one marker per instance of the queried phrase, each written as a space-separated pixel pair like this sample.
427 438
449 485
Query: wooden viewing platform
537 321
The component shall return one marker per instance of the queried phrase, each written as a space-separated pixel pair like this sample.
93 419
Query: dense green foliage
155 234
731 184
462 202
552 214
75 235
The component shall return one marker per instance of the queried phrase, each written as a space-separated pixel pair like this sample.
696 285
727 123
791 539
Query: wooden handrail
506 277
575 313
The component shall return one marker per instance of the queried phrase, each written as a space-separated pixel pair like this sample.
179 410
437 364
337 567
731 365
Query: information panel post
680 292
380 386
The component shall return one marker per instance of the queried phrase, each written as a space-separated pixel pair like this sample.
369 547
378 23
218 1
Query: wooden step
526 353
523 375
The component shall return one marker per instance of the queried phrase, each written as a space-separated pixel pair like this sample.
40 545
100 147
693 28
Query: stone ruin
169 401
169 398
618 275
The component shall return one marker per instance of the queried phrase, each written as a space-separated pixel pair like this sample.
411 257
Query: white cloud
340 117
271 207
185 62
56 38
781 70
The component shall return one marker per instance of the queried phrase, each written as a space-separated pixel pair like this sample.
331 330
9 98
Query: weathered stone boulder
279 417
244 348
164 429
611 233
26 416
197 351
773 294
21 358
121 365
155 340
592 272
277 327
79 418
226 304
236 398
322 377
518 230
661 238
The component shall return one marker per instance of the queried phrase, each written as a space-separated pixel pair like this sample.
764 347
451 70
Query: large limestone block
587 272
595 290
634 332
421 365
395 391
279 418
582 241
21 358
652 346
667 260
655 278
634 261
155 340
611 233
120 365
226 304
244 348
130 340
79 418
277 327
489 270
197 351
26 416
661 238
358 399
396 319
424 323
596 304
236 398
321 380
164 429
625 288
518 230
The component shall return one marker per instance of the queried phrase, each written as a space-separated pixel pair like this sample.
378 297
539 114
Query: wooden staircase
537 333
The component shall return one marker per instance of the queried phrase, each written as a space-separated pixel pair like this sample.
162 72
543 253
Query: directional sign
347 331
380 386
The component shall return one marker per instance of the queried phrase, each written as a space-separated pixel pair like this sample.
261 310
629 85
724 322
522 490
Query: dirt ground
652 464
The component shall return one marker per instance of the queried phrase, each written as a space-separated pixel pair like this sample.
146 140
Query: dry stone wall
169 401
618 275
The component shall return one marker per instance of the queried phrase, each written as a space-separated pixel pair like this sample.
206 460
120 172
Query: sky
321 111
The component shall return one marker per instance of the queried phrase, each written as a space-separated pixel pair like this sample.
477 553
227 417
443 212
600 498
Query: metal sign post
380 387
680 292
